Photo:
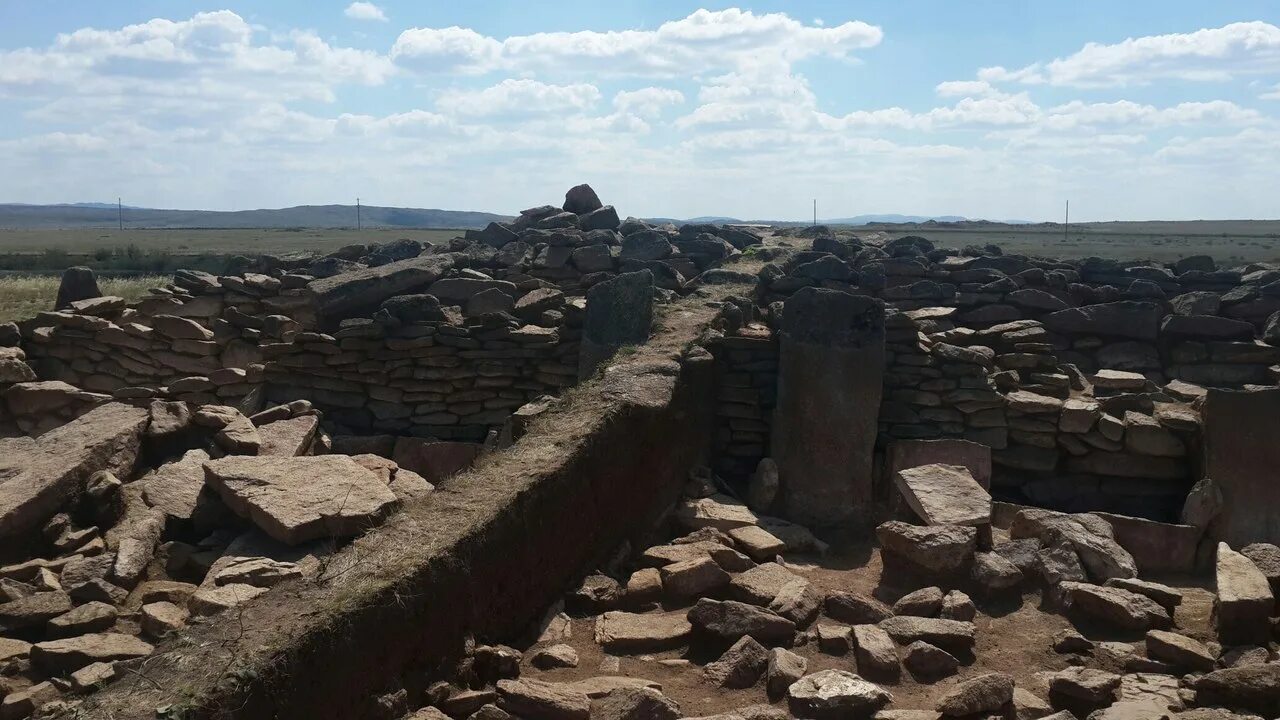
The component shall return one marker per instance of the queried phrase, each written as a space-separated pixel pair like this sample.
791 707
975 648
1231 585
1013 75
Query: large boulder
296 499
581 199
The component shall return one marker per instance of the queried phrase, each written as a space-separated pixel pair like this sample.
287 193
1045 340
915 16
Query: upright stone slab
1242 452
830 372
619 312
1244 601
78 283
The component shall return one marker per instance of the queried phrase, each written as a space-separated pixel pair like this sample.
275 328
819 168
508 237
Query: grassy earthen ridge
483 555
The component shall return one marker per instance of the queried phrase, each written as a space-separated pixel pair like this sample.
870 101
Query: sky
1001 110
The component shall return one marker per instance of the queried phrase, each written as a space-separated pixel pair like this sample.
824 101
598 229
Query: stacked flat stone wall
427 379
1084 378
746 392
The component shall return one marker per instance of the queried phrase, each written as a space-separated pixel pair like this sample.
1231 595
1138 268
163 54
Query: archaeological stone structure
578 467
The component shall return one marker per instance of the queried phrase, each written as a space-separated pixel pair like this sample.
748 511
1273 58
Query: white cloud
648 102
365 11
968 88
210 56
705 40
1206 55
726 111
519 98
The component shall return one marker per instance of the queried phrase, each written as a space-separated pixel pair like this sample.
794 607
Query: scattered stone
951 635
784 668
876 654
761 584
938 547
70 654
957 606
538 700
1251 687
634 703
1117 607
740 666
1179 651
729 620
161 618
925 602
91 617
623 632
834 639
1168 598
835 695
556 656
797 601
927 663
855 608
1094 687
692 578
984 693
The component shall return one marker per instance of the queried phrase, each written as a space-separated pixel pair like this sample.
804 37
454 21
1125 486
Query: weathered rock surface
944 495
53 468
296 499
835 695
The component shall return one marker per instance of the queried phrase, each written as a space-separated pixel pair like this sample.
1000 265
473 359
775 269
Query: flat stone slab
70 654
1117 607
944 495
39 476
174 488
625 632
287 438
718 511
349 293
296 499
955 636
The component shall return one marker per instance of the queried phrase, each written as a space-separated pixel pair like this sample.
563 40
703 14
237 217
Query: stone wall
400 338
1083 377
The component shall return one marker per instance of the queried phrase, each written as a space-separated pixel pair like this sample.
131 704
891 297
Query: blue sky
1131 110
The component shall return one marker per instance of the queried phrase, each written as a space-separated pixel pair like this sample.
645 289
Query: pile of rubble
118 555
731 603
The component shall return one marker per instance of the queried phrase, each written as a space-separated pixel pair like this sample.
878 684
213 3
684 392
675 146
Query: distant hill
104 215
890 218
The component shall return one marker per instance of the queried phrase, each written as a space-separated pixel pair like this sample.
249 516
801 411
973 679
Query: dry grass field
1229 242
22 296
84 241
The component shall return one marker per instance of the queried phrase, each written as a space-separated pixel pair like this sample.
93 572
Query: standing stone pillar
78 283
830 374
619 312
1241 456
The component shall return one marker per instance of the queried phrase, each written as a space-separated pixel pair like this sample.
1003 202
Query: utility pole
1066 222
815 212
120 213
357 213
